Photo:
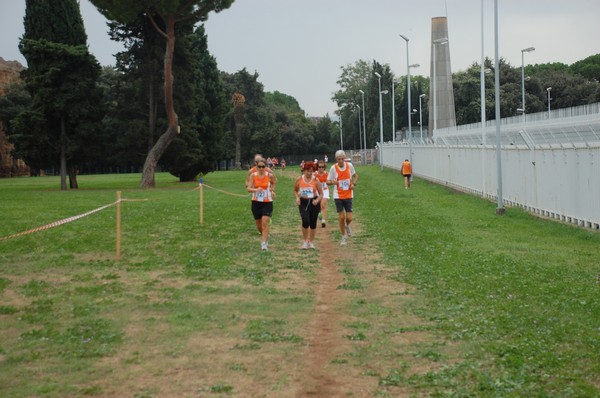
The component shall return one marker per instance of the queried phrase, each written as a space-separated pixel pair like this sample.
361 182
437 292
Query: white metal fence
549 167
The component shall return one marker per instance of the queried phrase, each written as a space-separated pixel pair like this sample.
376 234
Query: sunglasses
261 167
321 167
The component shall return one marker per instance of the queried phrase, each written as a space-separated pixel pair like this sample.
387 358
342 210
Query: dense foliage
112 119
60 124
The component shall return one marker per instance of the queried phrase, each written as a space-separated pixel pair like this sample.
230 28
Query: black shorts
343 204
262 209
406 175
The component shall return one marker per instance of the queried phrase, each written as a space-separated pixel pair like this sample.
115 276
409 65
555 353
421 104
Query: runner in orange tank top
343 177
261 185
322 176
308 193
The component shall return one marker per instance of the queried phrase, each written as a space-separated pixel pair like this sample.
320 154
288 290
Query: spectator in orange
407 173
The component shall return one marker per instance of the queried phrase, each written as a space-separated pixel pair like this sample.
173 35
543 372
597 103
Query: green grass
516 295
522 292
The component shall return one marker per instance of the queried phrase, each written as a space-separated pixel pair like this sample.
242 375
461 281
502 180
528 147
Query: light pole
421 115
380 124
341 134
359 132
523 51
436 42
500 209
548 90
364 126
393 113
409 99
408 66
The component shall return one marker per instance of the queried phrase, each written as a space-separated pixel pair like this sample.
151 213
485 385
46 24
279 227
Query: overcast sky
298 47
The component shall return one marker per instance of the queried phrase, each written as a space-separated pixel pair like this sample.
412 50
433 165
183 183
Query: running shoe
311 245
348 230
323 223
344 241
305 245
264 246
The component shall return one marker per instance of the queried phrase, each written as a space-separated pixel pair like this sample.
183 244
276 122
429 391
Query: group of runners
311 191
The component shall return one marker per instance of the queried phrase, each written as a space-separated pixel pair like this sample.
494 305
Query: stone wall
9 166
9 74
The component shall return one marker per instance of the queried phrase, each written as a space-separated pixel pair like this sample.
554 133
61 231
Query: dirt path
326 341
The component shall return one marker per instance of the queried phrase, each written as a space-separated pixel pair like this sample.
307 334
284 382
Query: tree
168 13
200 95
61 78
588 67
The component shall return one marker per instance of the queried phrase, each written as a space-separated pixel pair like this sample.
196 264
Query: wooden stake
118 255
201 203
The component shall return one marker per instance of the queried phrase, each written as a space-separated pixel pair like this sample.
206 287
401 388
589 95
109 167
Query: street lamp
523 51
408 66
341 134
421 115
359 132
409 98
436 42
548 90
500 209
380 124
393 113
364 126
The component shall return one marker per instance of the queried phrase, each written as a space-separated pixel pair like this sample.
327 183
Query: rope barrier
68 219
225 192
57 223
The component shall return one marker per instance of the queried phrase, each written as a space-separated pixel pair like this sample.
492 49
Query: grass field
435 296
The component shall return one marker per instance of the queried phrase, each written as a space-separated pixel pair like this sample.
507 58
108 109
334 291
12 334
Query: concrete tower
443 109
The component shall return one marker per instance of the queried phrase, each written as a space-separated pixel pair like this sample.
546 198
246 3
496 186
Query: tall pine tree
61 78
164 16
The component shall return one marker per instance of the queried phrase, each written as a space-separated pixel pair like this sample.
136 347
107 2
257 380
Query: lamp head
377 74
442 40
548 89
405 38
414 65
528 49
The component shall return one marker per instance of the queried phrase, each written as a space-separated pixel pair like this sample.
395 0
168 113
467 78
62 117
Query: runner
406 172
321 175
343 177
262 187
308 193
253 170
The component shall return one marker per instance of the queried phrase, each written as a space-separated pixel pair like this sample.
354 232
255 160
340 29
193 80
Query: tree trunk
73 178
63 155
238 146
152 109
167 137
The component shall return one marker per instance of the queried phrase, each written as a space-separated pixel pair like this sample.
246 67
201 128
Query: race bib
344 184
261 196
307 193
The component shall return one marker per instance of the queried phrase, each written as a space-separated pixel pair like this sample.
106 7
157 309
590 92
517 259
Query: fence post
201 202
118 254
